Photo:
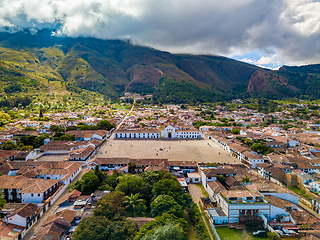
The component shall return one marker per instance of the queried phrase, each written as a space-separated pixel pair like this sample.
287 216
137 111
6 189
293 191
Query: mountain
286 82
41 65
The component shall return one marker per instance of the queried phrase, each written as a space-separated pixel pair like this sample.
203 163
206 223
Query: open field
175 150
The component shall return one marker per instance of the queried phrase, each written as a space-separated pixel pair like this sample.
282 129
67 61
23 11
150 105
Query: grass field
227 233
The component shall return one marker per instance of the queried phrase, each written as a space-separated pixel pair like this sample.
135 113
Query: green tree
5 116
105 125
246 179
56 128
67 137
235 131
98 173
221 178
261 148
169 187
101 228
165 204
129 184
169 231
88 183
40 113
111 206
2 202
8 145
132 201
38 141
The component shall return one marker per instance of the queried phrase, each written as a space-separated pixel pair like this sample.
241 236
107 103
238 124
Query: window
31 194
38 194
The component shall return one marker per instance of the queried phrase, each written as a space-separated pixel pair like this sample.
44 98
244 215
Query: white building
168 132
243 205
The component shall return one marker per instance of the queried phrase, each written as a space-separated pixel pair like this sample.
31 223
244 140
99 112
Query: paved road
50 211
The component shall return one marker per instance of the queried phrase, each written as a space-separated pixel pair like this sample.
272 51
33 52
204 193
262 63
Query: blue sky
268 33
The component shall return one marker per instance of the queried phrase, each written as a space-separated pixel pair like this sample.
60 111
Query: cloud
287 29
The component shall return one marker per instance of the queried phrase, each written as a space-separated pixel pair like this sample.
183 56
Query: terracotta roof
40 186
74 194
278 202
25 211
10 231
183 163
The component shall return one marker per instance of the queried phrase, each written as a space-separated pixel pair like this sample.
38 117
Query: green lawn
227 233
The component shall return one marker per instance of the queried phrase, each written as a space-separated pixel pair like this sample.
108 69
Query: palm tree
246 179
132 201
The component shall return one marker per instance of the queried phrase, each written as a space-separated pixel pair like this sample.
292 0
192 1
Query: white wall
27 197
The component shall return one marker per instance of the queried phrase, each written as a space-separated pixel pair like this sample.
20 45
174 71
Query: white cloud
291 28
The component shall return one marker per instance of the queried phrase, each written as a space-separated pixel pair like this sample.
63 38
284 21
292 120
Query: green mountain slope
84 66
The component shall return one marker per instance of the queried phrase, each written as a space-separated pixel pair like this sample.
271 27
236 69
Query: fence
214 231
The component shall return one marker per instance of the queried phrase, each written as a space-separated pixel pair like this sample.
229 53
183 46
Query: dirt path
196 194
50 211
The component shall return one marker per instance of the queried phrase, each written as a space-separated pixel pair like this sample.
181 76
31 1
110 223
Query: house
82 154
183 166
251 158
242 206
56 226
24 216
315 186
10 231
193 177
315 201
106 164
70 198
88 135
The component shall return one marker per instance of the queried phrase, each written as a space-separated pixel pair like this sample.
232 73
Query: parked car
260 233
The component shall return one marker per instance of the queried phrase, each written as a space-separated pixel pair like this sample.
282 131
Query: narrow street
51 210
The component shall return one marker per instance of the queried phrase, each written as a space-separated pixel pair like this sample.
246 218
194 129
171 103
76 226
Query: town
244 168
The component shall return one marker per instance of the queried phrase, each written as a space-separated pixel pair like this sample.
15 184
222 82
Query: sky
268 33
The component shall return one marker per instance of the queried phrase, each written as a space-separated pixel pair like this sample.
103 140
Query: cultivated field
177 150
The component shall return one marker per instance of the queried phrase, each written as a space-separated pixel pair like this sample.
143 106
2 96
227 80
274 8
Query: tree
38 141
235 131
2 202
221 178
165 204
169 231
111 206
129 184
88 183
261 148
105 125
40 113
98 173
56 128
8 145
169 187
101 228
132 201
67 137
246 179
